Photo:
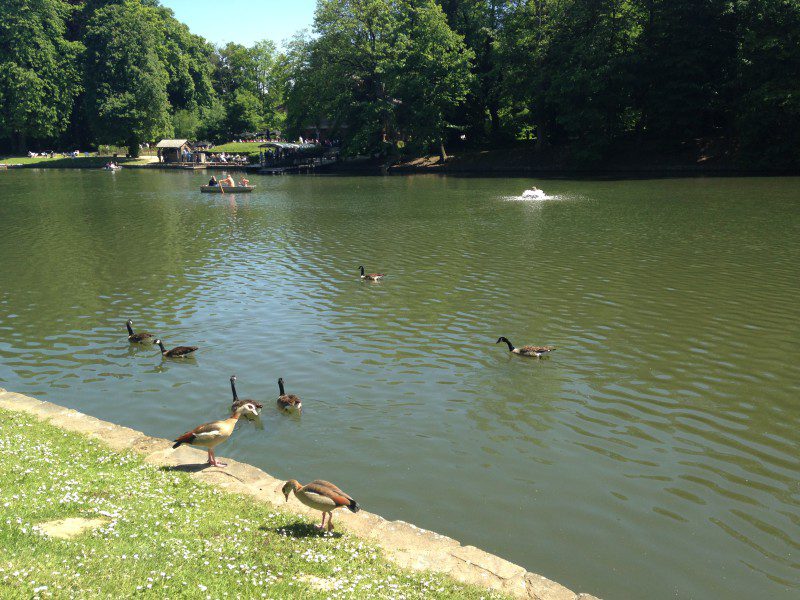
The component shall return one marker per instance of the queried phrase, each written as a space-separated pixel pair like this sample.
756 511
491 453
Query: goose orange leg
212 460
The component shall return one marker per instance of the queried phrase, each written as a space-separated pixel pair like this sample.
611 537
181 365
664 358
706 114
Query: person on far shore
213 181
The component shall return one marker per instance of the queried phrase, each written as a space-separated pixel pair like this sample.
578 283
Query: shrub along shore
92 509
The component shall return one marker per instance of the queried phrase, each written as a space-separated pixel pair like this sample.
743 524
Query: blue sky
244 21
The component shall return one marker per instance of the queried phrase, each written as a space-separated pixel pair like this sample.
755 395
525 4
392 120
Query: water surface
655 453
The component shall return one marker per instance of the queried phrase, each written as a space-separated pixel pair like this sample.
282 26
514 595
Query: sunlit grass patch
165 535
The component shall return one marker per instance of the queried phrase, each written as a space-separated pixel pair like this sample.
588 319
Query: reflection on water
656 449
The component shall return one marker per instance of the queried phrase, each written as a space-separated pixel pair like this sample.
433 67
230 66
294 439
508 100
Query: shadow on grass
189 468
301 530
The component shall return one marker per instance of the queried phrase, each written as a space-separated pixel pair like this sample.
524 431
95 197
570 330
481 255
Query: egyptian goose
536 351
213 434
135 338
321 495
288 401
237 402
177 352
371 276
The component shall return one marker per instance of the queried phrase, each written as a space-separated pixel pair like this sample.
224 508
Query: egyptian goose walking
177 352
371 276
536 351
288 401
321 495
136 338
213 434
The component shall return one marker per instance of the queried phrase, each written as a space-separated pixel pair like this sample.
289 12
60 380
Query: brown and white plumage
322 496
136 338
237 402
177 352
288 401
211 435
536 351
371 276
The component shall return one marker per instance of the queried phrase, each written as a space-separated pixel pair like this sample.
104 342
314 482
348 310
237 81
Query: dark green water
655 454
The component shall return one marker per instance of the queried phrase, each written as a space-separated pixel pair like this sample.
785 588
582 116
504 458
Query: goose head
246 408
290 485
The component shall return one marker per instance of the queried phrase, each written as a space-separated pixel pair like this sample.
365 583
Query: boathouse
174 151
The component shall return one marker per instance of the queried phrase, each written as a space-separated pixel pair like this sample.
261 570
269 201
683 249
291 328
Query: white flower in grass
202 587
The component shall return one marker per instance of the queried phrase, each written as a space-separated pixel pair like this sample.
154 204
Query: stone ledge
405 544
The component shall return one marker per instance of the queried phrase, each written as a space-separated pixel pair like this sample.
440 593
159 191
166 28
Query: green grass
249 148
167 535
58 162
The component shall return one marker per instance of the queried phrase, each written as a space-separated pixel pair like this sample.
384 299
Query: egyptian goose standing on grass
536 351
177 352
136 338
371 276
321 495
288 401
213 434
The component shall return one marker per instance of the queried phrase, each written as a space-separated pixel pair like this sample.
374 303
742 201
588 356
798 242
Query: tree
126 84
384 71
39 75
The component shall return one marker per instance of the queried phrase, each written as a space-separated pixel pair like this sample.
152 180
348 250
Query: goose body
211 435
237 402
288 401
177 352
136 338
322 496
371 276
536 351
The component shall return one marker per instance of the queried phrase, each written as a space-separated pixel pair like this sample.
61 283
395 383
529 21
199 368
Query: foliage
167 536
126 84
39 77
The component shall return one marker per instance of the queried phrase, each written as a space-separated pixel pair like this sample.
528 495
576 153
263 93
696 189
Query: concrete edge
404 544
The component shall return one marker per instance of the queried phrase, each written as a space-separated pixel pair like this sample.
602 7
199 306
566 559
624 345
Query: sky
244 21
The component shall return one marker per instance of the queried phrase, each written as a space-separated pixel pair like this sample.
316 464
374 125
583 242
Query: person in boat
244 182
228 181
212 182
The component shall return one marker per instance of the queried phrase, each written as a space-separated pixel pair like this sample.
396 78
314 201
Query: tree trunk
442 151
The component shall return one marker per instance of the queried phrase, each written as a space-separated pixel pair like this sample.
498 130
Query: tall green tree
385 71
39 70
126 83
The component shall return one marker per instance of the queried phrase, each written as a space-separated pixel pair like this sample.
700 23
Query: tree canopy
579 79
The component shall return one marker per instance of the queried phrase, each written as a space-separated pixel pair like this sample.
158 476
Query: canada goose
135 338
288 401
536 351
177 352
211 435
371 276
237 402
321 495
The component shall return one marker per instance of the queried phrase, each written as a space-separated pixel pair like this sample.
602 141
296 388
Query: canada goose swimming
288 401
371 276
177 352
536 351
237 402
213 434
136 338
321 495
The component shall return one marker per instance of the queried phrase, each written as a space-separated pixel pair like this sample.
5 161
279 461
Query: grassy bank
165 535
249 148
81 162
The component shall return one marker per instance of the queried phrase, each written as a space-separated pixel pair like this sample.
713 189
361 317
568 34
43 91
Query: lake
655 453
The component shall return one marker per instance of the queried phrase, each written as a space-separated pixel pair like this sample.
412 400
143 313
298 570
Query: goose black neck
280 387
362 270
161 345
130 329
233 389
510 345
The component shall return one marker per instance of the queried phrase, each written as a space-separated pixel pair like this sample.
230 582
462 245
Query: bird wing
324 494
178 350
290 399
333 488
537 348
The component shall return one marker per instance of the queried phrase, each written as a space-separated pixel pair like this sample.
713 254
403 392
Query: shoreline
404 544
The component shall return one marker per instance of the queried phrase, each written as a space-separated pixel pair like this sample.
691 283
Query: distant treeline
579 78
